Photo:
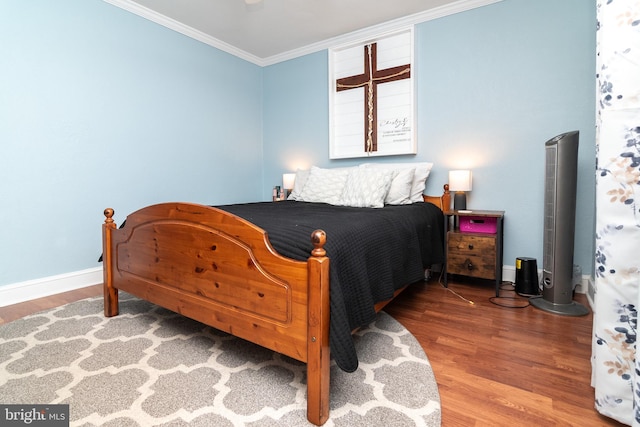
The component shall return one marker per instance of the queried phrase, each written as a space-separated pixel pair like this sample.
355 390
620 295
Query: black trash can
527 276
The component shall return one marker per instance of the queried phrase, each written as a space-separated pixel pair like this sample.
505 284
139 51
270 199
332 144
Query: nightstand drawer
472 255
471 244
474 266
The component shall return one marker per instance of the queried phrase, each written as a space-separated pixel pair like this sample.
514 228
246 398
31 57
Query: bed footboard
221 270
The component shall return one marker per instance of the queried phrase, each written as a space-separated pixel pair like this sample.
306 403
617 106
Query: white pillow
422 170
301 179
367 188
400 190
324 185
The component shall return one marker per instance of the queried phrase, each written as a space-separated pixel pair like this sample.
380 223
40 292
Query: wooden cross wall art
371 98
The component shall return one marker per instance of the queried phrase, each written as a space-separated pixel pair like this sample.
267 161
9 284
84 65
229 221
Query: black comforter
373 253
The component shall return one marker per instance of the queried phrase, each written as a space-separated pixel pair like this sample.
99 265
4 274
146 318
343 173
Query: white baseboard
38 288
591 293
509 275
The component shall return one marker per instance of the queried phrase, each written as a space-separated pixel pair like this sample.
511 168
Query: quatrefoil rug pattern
152 367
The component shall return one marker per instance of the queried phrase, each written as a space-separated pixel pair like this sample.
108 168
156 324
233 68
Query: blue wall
296 116
493 84
101 108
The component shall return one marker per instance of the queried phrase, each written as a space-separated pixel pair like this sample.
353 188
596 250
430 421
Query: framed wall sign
371 98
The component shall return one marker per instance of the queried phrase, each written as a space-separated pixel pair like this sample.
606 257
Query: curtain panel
615 367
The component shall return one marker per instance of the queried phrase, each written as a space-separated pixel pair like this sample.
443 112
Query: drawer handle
470 246
469 265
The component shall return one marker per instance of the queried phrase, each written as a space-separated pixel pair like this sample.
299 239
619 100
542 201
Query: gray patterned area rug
151 367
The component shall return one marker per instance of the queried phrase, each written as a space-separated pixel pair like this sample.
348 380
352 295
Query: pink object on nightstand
478 224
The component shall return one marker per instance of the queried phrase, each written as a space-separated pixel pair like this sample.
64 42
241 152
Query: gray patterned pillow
367 188
324 185
422 171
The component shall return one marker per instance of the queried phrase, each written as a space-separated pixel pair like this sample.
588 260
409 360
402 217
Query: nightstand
473 244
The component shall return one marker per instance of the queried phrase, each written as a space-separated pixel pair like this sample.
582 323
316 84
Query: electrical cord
460 296
452 291
518 301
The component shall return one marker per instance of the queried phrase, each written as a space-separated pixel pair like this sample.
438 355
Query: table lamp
288 179
459 182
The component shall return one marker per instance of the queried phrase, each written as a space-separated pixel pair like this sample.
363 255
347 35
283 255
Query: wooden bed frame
221 270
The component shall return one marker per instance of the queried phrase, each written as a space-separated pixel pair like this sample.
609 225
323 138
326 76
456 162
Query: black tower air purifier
527 283
561 176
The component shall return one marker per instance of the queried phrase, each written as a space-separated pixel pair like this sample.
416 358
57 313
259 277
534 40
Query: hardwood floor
16 311
498 366
495 366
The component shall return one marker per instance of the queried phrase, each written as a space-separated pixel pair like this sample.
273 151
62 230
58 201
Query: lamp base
459 201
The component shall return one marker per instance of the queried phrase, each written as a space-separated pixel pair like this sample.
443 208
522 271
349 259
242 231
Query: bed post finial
110 293
109 216
446 198
318 238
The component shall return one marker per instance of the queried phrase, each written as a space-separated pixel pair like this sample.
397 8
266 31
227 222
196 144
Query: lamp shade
460 180
287 180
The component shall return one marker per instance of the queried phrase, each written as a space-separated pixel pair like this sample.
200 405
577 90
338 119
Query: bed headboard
443 201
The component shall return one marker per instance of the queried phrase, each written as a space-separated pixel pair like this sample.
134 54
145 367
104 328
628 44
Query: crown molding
353 37
179 27
380 29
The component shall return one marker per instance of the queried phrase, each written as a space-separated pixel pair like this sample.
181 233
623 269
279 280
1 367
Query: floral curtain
615 368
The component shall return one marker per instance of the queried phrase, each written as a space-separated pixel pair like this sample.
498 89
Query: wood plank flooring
500 366
495 366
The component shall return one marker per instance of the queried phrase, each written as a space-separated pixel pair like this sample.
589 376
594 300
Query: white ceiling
275 30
